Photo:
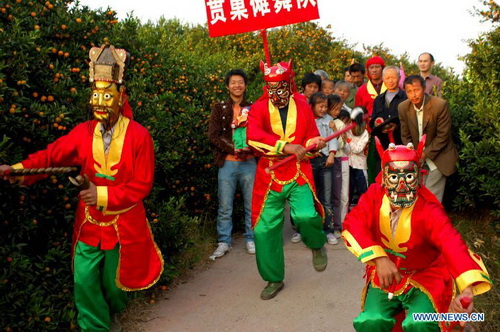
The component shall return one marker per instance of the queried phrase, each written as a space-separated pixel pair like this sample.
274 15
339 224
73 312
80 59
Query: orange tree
475 101
43 94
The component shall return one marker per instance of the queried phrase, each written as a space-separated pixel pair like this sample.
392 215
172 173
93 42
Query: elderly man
113 248
282 123
370 90
385 118
424 114
433 84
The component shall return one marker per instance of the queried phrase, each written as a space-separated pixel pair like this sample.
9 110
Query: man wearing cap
370 90
113 247
366 97
412 251
281 123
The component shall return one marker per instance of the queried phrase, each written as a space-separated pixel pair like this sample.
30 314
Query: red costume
123 177
282 117
434 250
268 139
399 219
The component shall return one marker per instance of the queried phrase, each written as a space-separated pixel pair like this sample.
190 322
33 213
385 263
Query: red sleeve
62 152
465 266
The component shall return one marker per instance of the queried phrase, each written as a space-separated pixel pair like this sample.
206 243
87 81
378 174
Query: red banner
227 17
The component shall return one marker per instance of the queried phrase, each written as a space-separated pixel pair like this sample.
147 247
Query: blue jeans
230 174
323 177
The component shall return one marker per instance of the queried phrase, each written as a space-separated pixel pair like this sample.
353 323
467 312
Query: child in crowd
343 89
334 108
322 164
342 119
356 142
327 87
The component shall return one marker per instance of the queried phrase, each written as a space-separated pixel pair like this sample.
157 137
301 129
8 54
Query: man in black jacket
235 165
385 118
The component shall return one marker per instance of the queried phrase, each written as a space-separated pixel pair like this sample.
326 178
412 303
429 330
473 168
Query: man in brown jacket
235 165
425 114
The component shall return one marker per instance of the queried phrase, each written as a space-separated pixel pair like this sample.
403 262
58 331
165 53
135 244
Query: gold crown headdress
107 63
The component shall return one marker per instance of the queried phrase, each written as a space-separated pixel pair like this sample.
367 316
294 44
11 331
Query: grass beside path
480 232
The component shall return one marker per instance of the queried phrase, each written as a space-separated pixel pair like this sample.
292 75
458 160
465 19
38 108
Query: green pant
96 293
268 233
379 312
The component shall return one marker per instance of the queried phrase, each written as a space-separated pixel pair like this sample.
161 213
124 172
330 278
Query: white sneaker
251 247
296 238
221 250
338 234
330 237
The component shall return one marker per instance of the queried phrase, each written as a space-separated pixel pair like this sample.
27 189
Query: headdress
282 71
400 152
107 63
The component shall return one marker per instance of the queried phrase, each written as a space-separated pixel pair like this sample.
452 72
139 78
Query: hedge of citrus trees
175 74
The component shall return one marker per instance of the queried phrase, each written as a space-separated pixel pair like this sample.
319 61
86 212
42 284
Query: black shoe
272 289
320 259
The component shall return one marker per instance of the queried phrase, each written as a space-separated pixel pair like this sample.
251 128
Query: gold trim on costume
402 233
426 292
476 278
89 218
296 176
104 165
357 251
158 252
263 204
365 290
291 119
102 198
76 242
371 89
111 213
314 196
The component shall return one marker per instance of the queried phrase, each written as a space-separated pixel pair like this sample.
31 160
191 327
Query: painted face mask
279 82
279 93
105 103
400 172
400 180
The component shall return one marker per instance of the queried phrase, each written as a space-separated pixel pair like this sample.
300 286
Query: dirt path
226 297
